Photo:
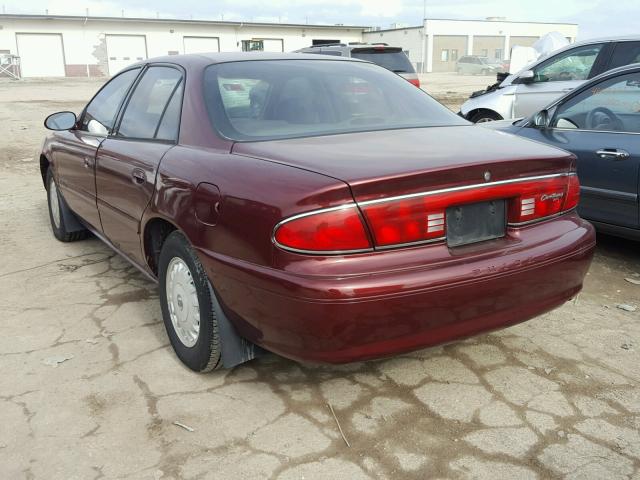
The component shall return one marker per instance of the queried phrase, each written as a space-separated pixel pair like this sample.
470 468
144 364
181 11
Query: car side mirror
527 76
61 121
541 119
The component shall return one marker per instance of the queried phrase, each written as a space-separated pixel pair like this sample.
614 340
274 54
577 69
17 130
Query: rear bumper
343 318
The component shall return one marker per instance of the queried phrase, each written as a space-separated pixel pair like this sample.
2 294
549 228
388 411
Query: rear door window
150 102
625 53
394 60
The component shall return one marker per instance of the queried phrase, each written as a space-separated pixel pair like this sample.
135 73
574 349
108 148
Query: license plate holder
476 222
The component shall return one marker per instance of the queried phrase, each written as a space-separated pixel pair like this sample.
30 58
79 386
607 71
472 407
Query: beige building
57 46
437 45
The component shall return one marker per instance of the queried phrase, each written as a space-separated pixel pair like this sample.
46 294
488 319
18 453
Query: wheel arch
155 232
44 167
472 113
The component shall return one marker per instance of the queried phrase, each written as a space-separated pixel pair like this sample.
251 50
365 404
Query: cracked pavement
90 388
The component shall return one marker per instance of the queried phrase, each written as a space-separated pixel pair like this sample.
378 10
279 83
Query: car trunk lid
389 163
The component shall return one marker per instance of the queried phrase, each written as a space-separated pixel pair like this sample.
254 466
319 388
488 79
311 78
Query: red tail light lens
544 198
405 221
415 81
338 230
422 218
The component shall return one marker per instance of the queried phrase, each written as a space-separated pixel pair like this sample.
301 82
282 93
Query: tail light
421 218
414 81
336 230
544 199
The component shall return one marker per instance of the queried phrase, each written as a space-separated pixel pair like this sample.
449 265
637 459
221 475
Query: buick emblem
487 176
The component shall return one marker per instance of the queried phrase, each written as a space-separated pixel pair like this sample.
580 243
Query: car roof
349 46
202 59
624 38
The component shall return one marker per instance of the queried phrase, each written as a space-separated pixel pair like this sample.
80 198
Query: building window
444 56
252 45
499 55
454 54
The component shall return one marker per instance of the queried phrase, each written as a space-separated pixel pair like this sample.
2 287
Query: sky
596 18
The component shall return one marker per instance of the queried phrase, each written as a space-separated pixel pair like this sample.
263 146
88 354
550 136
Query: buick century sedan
320 208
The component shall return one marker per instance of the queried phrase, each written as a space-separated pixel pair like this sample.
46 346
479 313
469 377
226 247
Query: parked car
321 208
391 58
548 78
600 123
477 65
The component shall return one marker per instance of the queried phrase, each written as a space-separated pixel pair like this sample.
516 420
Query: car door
75 149
128 160
555 77
601 125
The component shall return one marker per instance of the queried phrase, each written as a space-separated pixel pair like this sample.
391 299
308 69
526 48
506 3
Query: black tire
484 116
59 228
204 355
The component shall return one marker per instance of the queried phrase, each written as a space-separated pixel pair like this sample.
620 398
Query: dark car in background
600 123
391 58
321 208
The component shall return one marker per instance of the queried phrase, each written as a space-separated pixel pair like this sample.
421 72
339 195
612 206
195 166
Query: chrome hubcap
54 202
485 120
182 299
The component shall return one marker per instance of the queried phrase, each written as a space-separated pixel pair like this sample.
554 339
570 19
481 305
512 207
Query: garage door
201 44
273 45
123 50
41 54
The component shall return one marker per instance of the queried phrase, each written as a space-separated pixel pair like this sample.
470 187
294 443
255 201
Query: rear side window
149 105
625 53
170 123
100 114
393 60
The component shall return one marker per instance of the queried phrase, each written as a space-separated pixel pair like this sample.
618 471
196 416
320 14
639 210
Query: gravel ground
90 388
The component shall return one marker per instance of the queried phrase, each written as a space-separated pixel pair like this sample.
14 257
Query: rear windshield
271 99
396 61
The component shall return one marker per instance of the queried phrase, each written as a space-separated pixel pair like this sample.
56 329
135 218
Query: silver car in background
478 65
548 78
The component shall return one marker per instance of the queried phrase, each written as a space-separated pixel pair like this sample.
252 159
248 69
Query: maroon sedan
321 208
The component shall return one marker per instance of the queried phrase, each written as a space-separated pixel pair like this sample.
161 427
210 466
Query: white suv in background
548 78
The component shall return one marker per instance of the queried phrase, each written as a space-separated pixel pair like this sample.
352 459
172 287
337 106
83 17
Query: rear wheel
485 116
187 306
56 216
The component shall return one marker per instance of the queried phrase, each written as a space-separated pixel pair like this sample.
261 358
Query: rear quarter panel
254 196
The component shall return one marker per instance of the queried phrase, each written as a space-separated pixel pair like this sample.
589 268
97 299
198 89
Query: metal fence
10 66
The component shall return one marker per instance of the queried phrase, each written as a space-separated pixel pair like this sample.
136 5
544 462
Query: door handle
612 153
139 176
